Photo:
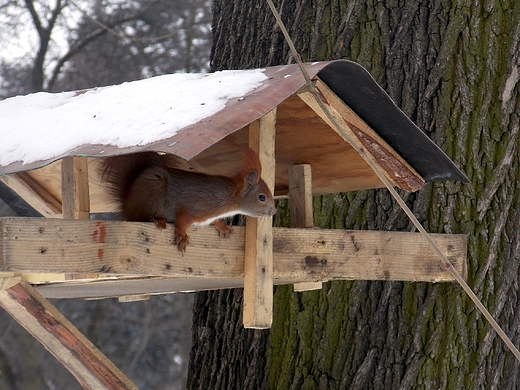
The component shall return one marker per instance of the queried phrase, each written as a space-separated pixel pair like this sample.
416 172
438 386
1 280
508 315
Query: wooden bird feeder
68 254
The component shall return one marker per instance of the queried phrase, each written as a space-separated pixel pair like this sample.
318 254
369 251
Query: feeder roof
203 119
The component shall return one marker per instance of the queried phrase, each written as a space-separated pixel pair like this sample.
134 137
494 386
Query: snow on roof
187 114
42 126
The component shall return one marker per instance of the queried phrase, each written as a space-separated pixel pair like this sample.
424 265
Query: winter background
51 46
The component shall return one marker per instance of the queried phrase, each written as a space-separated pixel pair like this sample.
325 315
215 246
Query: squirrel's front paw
159 222
182 242
224 230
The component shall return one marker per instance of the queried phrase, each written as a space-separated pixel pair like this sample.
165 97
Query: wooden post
258 265
300 196
89 366
74 188
300 206
34 194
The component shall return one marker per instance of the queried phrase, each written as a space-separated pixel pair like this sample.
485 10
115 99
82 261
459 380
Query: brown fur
148 187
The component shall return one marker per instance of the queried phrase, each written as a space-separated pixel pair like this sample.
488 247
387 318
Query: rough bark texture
453 67
226 356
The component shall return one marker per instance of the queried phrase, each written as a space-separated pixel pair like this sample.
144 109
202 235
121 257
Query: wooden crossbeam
89 366
258 267
41 245
34 194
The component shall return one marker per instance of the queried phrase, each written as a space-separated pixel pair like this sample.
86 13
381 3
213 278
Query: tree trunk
453 67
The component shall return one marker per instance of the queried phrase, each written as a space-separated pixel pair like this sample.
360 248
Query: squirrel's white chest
210 220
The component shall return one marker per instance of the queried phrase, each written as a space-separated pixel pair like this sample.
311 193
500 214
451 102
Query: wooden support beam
75 190
119 248
395 168
300 206
88 365
258 267
300 196
34 194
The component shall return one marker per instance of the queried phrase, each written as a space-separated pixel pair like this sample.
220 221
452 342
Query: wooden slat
395 168
134 298
258 267
300 206
146 286
40 245
75 190
34 194
88 365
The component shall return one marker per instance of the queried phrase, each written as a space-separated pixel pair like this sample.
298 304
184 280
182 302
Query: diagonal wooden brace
90 367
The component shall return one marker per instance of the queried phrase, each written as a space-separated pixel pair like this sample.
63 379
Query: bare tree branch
104 28
35 17
44 34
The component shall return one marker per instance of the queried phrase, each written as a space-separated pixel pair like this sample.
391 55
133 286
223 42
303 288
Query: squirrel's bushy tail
119 172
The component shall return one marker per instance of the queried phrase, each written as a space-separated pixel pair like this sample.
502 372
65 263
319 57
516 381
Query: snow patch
43 126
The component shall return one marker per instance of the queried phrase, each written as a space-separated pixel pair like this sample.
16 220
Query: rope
392 190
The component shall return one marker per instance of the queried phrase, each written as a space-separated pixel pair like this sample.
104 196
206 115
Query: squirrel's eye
262 198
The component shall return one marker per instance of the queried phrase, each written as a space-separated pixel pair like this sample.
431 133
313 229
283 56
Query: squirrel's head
256 198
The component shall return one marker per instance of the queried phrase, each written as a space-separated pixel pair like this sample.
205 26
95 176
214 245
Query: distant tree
106 41
158 37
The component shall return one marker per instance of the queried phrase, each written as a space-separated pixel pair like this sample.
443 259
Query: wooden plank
42 245
258 266
35 278
134 298
145 286
45 278
395 168
34 194
88 365
300 196
75 190
300 206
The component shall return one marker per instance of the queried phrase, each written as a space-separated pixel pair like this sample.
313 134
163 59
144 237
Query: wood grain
395 168
258 266
300 196
123 249
34 193
75 188
300 206
78 355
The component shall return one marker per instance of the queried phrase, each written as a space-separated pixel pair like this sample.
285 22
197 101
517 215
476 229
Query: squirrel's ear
251 178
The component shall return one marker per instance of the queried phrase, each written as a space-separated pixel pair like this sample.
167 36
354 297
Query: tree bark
453 67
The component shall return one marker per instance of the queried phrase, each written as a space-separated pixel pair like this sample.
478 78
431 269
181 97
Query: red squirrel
148 187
